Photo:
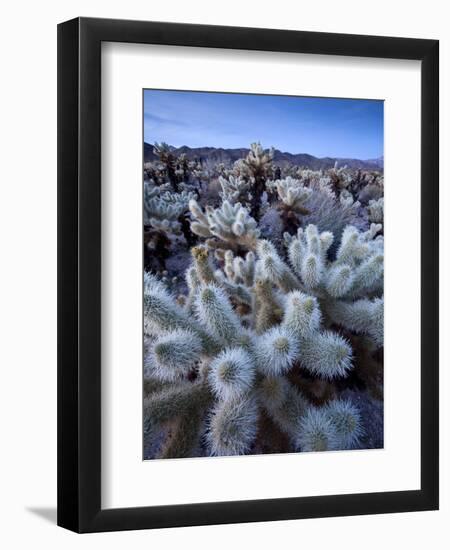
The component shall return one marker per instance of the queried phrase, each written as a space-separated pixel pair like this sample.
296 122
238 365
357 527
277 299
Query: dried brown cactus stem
268 312
190 237
316 390
290 218
181 408
258 189
184 435
270 439
222 246
368 364
169 161
156 245
205 273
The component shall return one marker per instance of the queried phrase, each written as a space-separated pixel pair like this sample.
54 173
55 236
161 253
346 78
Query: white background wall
28 271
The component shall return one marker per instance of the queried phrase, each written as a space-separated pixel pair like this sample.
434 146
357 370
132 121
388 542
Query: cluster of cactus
303 196
168 160
364 185
235 189
330 211
229 227
292 196
164 215
354 181
349 288
177 170
226 354
257 167
163 208
339 177
250 346
376 210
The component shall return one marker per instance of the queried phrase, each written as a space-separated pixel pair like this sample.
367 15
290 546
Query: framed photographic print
248 275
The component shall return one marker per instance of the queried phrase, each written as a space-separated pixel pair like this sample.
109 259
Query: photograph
263 274
212 365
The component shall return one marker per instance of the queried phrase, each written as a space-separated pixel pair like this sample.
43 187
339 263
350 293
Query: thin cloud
150 117
318 126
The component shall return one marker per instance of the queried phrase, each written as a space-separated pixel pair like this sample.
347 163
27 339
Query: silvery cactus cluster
163 208
257 166
292 193
235 189
256 346
228 227
376 210
349 288
164 218
224 353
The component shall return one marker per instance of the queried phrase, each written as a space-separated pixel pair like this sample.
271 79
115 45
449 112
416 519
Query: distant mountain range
228 156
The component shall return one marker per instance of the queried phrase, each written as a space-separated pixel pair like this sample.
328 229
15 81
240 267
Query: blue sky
322 127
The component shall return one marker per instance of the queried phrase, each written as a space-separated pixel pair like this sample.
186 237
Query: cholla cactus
184 168
343 285
272 267
372 191
302 315
331 211
277 350
235 189
232 374
155 172
292 196
229 227
316 432
259 161
229 365
216 314
164 215
363 316
163 315
240 270
376 210
347 200
339 176
327 355
268 309
292 193
259 334
237 277
162 210
175 354
284 404
168 159
232 427
346 420
181 173
257 165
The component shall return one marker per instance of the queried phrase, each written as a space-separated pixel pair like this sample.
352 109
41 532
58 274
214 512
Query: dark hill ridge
228 156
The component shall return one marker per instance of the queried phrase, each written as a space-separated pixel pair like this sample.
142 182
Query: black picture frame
79 274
